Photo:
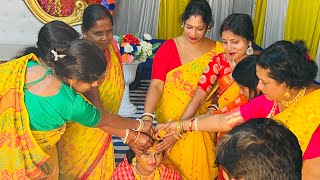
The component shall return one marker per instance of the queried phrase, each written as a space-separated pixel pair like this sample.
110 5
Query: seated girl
149 165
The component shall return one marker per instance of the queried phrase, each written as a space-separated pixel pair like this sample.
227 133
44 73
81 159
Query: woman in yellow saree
37 101
88 153
177 67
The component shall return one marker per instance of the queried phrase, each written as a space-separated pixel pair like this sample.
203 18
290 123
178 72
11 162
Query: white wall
18 28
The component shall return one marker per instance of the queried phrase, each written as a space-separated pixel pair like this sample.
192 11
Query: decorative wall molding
74 19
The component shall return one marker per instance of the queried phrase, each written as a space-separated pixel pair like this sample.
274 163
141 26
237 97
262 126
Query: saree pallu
302 118
229 94
87 153
194 154
228 100
23 153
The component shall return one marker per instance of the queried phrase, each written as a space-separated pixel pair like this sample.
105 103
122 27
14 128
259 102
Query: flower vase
126 107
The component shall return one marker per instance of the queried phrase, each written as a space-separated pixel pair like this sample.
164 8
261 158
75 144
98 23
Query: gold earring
182 25
287 93
249 51
134 161
71 82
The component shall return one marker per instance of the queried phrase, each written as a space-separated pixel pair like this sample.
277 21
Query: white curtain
222 8
274 22
136 16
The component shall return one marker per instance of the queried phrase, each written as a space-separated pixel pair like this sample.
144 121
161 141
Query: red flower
131 39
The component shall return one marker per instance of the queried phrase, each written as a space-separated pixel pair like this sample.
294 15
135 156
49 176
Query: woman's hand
138 150
167 143
144 142
148 128
165 130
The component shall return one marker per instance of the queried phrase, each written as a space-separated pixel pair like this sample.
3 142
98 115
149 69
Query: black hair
239 24
260 149
245 74
130 155
201 8
92 14
49 35
288 62
83 61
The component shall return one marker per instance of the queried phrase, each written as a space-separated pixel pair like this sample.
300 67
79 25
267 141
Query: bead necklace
295 99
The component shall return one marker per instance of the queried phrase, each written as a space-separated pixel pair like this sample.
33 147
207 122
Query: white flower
128 48
138 49
147 36
116 37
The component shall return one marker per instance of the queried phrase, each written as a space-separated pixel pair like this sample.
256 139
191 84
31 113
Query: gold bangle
177 137
146 118
234 119
136 139
178 126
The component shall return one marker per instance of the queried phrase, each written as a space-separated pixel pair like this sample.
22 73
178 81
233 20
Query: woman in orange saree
86 153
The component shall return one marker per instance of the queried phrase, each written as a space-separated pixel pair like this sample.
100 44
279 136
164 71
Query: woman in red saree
237 37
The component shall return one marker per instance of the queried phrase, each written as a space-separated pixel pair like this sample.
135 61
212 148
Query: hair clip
308 57
56 55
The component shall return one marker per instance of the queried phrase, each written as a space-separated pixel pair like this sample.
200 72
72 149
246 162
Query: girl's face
150 160
100 34
244 91
81 86
270 87
234 45
194 29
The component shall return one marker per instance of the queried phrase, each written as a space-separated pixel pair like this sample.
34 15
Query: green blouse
51 112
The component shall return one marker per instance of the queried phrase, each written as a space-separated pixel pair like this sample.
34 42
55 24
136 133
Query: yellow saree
87 153
194 154
302 118
24 154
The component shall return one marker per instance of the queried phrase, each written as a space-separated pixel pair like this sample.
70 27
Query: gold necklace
295 99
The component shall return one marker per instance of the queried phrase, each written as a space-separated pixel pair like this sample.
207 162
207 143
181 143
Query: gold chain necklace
295 99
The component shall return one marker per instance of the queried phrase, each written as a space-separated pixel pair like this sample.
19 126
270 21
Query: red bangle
190 126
